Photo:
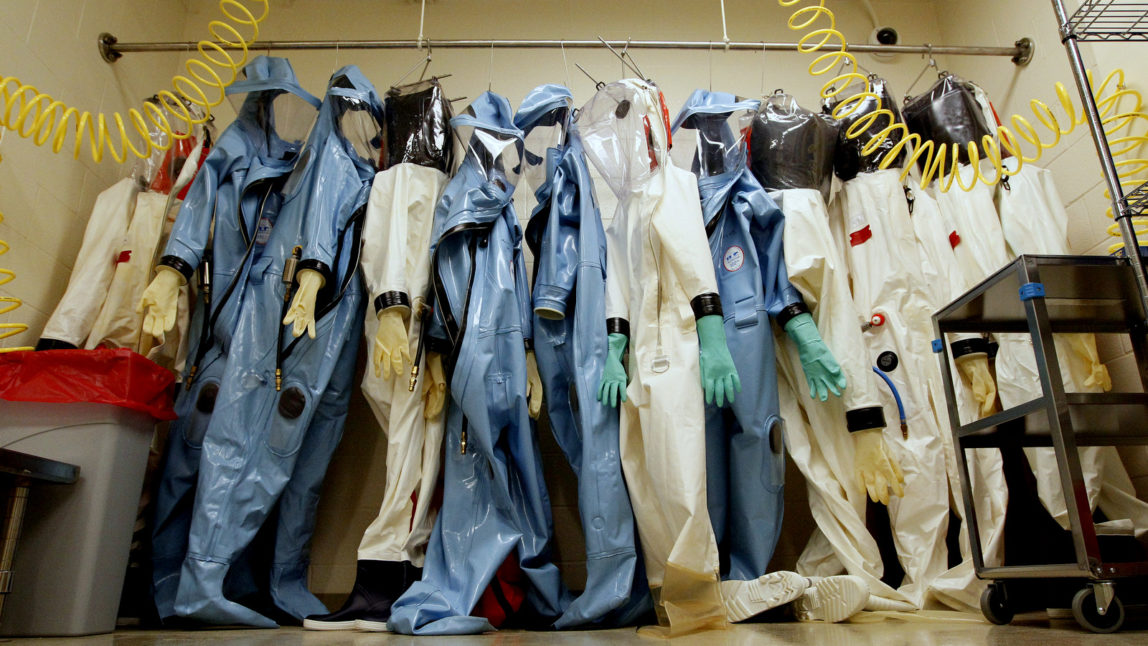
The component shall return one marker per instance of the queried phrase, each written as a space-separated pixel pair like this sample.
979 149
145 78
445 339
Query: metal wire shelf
1138 200
1109 20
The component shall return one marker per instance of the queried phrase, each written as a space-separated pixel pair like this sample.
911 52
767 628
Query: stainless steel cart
1040 296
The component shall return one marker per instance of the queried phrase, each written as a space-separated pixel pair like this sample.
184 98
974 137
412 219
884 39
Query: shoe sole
834 599
311 624
371 626
764 593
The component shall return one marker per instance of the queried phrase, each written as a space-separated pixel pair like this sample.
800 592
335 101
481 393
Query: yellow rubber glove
161 301
301 313
1084 345
877 470
533 385
392 349
974 369
434 386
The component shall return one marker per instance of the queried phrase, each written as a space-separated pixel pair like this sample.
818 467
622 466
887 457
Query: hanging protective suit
936 239
396 266
838 468
568 242
1033 221
220 231
494 496
745 456
887 288
282 401
660 287
119 323
95 265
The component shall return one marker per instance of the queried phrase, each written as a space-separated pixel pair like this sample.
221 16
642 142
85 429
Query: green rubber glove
821 370
719 375
613 383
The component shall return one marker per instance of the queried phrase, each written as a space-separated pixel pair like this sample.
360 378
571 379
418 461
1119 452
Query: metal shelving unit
1109 20
1045 295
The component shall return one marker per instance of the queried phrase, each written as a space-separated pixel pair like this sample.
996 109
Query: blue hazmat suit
282 401
218 232
745 456
565 235
494 496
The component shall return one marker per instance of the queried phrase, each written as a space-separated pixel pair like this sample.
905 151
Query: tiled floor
1036 630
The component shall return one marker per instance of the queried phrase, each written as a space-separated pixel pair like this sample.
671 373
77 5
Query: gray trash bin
73 550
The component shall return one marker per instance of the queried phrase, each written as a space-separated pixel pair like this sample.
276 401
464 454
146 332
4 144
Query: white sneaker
745 599
832 599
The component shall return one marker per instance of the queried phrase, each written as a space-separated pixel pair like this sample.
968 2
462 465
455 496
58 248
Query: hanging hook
565 63
425 60
711 64
621 56
426 67
763 62
931 63
490 81
598 85
627 54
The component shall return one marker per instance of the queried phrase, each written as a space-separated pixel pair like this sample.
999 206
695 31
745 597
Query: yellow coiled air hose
41 118
941 162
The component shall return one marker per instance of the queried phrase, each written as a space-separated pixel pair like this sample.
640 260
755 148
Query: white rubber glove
392 349
301 313
1085 346
533 385
974 369
877 469
434 386
161 301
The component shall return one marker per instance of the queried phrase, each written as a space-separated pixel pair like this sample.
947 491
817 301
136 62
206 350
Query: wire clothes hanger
932 63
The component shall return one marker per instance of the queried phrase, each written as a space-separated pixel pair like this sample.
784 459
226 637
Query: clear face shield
548 134
286 118
621 139
497 155
361 130
712 144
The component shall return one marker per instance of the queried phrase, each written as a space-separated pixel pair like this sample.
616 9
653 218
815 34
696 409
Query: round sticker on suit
733 258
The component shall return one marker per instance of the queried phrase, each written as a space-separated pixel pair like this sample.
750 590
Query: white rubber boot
745 599
832 599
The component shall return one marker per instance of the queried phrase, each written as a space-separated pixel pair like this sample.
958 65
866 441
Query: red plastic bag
173 163
118 377
505 594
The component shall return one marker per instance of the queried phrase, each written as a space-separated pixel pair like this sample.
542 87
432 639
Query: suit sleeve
192 229
817 270
677 223
332 189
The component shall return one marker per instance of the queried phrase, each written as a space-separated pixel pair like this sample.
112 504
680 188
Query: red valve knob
877 320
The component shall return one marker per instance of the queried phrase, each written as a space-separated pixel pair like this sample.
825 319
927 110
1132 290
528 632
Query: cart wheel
994 605
1084 610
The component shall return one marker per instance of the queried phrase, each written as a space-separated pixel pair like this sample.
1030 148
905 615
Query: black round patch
887 361
623 109
776 440
291 403
206 401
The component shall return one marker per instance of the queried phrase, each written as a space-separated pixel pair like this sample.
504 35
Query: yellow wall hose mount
1121 111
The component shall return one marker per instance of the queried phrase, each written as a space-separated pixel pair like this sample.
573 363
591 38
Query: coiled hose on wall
38 116
942 163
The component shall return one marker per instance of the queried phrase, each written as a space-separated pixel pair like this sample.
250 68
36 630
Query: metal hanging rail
1020 53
